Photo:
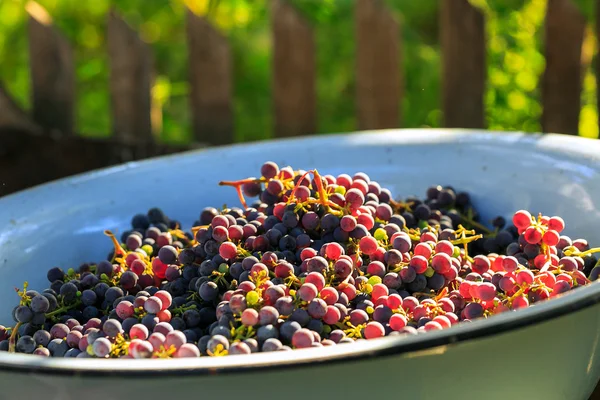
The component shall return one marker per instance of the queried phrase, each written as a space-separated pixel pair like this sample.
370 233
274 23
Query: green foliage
515 60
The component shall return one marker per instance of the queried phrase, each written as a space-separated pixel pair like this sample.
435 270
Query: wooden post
294 72
131 76
561 83
52 73
378 66
11 115
210 77
462 37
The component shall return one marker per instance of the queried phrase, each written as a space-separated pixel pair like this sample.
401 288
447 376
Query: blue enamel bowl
548 351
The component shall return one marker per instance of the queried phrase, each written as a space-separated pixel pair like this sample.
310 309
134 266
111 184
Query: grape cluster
315 261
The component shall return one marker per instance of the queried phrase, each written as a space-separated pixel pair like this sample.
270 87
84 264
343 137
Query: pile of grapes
315 261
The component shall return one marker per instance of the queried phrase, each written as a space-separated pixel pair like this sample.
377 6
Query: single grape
40 304
58 347
26 344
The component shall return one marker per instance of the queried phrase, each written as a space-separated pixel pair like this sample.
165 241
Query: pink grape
138 331
332 315
368 245
329 295
316 279
124 309
228 250
379 290
486 291
165 298
444 246
175 339
249 317
522 219
433 326
153 305
397 322
419 263
441 262
533 235
374 330
556 224
302 338
424 250
307 292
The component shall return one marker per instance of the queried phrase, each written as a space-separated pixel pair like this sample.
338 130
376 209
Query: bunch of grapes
314 261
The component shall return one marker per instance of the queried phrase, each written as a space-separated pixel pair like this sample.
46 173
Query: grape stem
475 224
574 251
62 309
182 309
298 184
13 336
238 187
119 251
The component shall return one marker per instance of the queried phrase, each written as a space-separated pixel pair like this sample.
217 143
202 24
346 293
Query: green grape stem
63 309
475 224
182 309
573 251
12 341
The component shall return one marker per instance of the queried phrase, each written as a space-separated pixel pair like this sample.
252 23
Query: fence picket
561 82
462 39
210 74
378 66
52 73
131 76
294 75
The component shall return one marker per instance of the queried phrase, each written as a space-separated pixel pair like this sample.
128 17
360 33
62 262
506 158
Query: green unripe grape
456 252
223 268
380 234
147 249
374 280
252 298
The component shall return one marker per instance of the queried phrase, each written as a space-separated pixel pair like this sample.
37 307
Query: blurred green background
515 60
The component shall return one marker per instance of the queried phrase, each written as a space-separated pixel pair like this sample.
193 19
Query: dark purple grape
208 291
42 337
68 291
23 314
55 274
25 344
266 332
39 304
58 347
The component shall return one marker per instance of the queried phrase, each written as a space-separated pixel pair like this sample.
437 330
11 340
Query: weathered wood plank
28 159
561 83
378 66
294 72
210 74
131 77
52 73
462 37
12 116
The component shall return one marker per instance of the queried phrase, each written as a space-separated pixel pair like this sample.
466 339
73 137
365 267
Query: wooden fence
43 144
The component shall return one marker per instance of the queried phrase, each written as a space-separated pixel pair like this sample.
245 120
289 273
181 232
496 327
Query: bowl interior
61 223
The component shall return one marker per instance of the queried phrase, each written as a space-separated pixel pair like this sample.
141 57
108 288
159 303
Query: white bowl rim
573 301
